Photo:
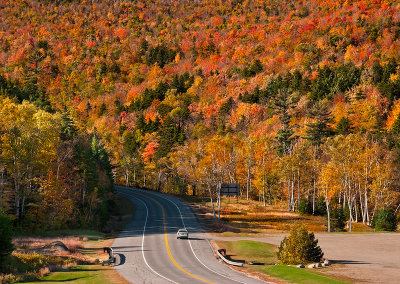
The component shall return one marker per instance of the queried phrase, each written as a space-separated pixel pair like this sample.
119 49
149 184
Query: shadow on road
119 259
342 261
125 247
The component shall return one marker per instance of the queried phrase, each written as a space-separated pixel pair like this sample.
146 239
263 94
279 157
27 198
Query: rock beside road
312 265
300 266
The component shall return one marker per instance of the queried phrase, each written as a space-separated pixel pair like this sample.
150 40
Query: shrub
6 246
299 247
320 207
338 220
384 220
305 207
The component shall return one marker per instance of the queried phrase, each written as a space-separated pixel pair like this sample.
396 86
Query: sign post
230 189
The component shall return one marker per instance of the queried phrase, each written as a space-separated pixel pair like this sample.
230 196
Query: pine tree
68 128
316 132
344 126
283 103
170 134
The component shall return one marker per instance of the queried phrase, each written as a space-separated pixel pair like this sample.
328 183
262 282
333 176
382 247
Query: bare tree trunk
293 203
397 208
366 213
219 201
349 202
328 212
289 195
298 187
270 195
313 198
263 191
17 200
211 199
247 183
126 177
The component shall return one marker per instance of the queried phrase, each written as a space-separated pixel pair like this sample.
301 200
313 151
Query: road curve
148 251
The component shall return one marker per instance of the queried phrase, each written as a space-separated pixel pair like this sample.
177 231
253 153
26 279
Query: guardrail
227 260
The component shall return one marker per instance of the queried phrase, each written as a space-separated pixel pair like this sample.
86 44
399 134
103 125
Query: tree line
52 175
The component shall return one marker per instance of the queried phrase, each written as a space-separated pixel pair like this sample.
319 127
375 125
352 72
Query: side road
368 257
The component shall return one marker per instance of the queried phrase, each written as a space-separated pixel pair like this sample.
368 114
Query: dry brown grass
34 243
251 217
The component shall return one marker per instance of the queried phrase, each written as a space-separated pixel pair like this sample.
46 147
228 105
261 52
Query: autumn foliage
291 99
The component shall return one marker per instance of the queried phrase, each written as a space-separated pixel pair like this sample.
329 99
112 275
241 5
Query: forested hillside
294 100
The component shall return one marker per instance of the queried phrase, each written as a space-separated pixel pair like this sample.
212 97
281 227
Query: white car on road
182 234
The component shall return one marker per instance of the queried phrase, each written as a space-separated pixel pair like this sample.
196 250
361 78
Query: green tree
299 247
6 232
68 128
170 134
343 126
384 220
283 104
317 131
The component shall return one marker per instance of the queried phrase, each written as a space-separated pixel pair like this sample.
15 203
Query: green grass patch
80 274
297 275
266 253
251 251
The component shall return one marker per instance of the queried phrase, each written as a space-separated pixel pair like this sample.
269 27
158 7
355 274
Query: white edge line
190 244
144 230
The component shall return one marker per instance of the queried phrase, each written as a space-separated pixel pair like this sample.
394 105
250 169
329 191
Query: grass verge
266 254
92 274
297 275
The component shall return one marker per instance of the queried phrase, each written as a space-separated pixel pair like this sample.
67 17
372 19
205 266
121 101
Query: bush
6 246
299 247
320 207
305 207
338 220
384 220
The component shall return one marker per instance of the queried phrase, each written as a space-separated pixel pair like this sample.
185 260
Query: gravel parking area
367 257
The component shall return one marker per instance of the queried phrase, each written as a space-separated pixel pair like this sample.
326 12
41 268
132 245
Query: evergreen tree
130 143
316 132
170 134
6 246
68 128
283 103
396 126
226 107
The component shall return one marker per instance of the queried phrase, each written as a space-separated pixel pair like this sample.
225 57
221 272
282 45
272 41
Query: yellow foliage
393 114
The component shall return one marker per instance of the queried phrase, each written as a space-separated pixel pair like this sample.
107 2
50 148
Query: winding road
149 252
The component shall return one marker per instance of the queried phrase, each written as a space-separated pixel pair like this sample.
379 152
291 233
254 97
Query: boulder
300 266
312 265
56 246
327 262
318 265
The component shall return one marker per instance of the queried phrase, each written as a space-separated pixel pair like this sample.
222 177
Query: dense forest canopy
291 99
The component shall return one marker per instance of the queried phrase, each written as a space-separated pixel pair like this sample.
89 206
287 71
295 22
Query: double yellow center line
169 250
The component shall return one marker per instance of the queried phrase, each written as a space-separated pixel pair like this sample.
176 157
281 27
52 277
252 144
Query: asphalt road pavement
148 251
